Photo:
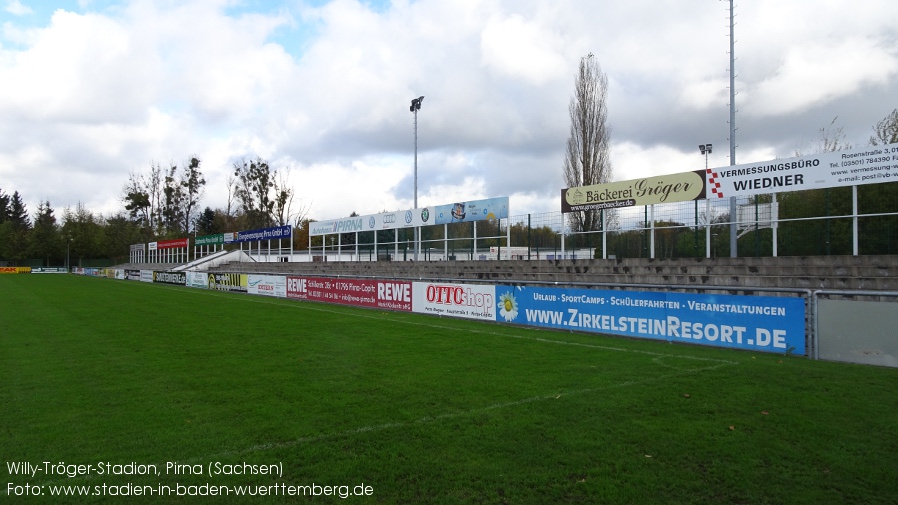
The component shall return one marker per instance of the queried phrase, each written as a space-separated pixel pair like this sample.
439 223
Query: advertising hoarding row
850 167
757 323
459 212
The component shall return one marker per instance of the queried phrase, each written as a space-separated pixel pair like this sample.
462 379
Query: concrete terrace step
827 272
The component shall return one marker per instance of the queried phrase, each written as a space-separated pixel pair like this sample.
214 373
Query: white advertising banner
383 221
469 301
267 285
146 276
851 167
197 280
474 210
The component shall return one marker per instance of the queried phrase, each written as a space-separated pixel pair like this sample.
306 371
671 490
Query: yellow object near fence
15 270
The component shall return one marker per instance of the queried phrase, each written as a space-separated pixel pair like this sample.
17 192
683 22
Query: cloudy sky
91 90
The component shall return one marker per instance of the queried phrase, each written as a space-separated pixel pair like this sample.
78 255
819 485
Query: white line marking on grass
420 421
442 417
658 359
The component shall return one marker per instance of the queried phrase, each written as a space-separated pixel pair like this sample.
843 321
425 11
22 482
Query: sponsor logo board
474 210
278 232
170 278
197 280
392 295
173 244
15 270
771 324
49 270
680 187
469 301
209 240
267 285
228 282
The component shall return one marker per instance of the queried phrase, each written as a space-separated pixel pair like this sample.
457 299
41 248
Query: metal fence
860 220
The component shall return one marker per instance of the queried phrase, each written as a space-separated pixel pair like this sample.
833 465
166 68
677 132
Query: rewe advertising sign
392 295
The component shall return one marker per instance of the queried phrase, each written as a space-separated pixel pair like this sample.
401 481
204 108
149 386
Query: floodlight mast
734 244
706 150
414 108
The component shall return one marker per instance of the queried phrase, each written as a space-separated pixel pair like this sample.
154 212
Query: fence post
528 236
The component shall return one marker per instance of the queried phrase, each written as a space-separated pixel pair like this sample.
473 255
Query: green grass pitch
127 376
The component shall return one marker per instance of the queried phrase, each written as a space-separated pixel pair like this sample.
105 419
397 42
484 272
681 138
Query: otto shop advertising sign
393 295
469 301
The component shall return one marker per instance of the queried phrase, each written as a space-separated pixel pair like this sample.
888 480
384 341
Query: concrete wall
739 274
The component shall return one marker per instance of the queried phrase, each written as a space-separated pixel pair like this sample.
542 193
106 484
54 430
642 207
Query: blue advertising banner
759 323
278 232
476 210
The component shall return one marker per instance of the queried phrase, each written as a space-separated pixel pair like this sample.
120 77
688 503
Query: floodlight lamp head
708 147
416 104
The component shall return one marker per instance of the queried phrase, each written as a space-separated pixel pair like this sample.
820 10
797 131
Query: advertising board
197 280
469 301
849 167
392 295
474 210
146 276
758 323
132 275
209 240
267 285
228 282
15 270
277 232
672 188
177 243
178 278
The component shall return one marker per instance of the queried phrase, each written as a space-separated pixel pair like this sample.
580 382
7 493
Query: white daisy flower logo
508 306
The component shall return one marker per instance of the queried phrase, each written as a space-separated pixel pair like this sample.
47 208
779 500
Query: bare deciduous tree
588 156
264 196
886 131
284 211
829 139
